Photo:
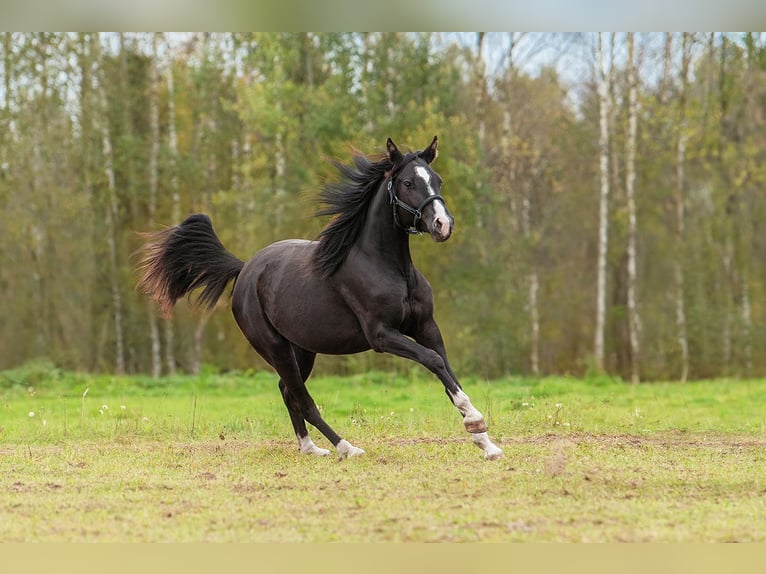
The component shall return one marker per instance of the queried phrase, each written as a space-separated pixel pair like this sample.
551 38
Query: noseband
416 212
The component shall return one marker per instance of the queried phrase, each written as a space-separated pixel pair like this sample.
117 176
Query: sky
352 15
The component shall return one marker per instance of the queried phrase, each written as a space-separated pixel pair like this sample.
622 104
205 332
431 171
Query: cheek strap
417 213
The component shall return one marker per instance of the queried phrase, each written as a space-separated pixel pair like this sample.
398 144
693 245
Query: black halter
417 213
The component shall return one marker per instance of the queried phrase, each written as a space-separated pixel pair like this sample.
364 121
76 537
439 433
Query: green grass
213 458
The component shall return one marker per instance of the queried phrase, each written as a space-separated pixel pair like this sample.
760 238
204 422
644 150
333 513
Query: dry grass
213 459
581 487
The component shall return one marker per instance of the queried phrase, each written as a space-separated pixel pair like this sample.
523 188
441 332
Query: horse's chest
396 308
408 313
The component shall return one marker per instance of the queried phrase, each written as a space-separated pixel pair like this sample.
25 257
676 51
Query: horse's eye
407 183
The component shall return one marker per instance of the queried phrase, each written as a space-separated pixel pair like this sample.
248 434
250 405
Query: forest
607 190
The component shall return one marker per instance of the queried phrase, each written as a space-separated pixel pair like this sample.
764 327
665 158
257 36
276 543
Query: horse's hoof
347 450
493 454
307 446
491 450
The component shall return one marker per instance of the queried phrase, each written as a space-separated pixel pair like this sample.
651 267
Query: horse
352 289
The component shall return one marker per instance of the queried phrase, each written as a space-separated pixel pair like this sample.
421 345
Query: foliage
253 120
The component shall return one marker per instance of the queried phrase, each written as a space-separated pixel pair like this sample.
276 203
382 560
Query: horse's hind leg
305 361
294 365
305 443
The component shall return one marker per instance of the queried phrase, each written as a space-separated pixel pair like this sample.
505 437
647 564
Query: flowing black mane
348 200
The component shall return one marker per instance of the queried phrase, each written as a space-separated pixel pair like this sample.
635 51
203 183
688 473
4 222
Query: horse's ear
393 152
430 153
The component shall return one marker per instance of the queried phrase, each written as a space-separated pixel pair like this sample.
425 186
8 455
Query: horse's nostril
438 224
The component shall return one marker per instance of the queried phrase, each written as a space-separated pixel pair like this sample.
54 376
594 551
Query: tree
154 126
678 270
602 79
634 319
111 208
175 211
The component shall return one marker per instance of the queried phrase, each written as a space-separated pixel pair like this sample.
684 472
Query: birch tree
602 79
634 319
154 129
111 209
175 196
678 270
481 86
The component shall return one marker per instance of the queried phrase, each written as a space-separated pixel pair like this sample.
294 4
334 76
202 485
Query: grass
212 458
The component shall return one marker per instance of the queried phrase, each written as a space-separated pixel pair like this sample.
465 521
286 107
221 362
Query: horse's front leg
428 350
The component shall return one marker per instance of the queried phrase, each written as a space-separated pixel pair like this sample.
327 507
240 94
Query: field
212 458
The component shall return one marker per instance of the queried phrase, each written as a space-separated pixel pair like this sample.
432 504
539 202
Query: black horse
353 289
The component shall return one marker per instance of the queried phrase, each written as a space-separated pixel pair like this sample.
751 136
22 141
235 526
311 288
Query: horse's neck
382 237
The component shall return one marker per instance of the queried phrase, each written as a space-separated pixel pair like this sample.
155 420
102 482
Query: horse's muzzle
441 228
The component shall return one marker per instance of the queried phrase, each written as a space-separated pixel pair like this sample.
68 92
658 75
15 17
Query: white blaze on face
439 210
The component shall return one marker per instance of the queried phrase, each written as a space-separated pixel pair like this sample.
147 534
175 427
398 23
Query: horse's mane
347 200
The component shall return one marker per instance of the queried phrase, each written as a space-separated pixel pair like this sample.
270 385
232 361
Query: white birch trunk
747 325
506 144
506 140
111 215
170 359
667 54
634 319
603 227
680 210
480 81
390 75
746 225
154 152
534 322
210 173
199 335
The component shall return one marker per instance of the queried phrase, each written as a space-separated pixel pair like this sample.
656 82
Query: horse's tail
181 258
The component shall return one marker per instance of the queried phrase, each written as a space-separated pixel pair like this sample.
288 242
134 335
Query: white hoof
308 447
491 450
346 449
493 453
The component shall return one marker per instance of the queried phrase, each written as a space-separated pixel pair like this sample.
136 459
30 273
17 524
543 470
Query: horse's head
415 191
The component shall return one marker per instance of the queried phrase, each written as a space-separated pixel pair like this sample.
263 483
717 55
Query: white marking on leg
307 446
466 408
491 450
346 449
474 420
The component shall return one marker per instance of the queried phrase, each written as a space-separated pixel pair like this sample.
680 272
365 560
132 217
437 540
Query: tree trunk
603 227
506 140
481 87
210 185
111 213
620 337
525 219
634 319
534 322
154 152
680 209
170 359
746 224
199 335
666 64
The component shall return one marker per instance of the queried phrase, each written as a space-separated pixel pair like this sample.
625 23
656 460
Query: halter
416 212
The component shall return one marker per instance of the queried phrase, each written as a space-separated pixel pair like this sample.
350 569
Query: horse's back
281 284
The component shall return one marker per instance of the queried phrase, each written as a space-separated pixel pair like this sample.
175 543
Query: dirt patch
664 439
